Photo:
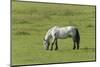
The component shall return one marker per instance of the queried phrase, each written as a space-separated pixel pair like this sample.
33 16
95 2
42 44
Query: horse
56 32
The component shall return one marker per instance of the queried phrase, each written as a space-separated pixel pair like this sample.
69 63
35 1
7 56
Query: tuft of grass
22 33
90 26
24 22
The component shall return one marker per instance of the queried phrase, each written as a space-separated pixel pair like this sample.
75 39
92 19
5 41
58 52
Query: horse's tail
77 36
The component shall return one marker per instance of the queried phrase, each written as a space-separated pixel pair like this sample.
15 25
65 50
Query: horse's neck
48 35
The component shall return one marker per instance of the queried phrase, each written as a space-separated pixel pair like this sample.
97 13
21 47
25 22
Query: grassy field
30 22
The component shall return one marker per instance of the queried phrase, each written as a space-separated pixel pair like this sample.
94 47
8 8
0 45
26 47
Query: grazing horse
56 33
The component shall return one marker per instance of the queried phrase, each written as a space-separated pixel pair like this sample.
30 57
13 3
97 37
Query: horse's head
46 44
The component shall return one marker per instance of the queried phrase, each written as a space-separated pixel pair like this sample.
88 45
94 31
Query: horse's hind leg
74 46
56 45
77 45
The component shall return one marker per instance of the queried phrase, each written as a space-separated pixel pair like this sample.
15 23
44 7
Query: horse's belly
62 36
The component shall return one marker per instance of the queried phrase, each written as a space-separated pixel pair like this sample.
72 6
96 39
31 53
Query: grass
30 22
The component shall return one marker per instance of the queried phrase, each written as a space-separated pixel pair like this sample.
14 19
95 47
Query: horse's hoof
47 49
77 48
51 49
56 49
73 48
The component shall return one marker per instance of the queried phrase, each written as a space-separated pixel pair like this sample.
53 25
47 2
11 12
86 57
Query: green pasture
31 21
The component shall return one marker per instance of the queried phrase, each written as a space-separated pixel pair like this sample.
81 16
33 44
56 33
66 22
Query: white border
83 2
4 33
5 36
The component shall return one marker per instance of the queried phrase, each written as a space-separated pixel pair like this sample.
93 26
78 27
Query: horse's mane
49 31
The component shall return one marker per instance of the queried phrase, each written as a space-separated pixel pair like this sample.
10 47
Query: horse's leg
53 41
56 45
74 46
77 45
52 46
48 46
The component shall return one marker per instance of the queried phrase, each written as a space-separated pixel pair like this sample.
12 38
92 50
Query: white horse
61 33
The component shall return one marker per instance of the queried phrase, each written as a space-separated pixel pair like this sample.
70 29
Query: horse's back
62 29
70 27
62 32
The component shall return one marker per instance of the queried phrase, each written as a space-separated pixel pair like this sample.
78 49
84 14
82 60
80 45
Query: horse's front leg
53 41
52 46
47 48
56 45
